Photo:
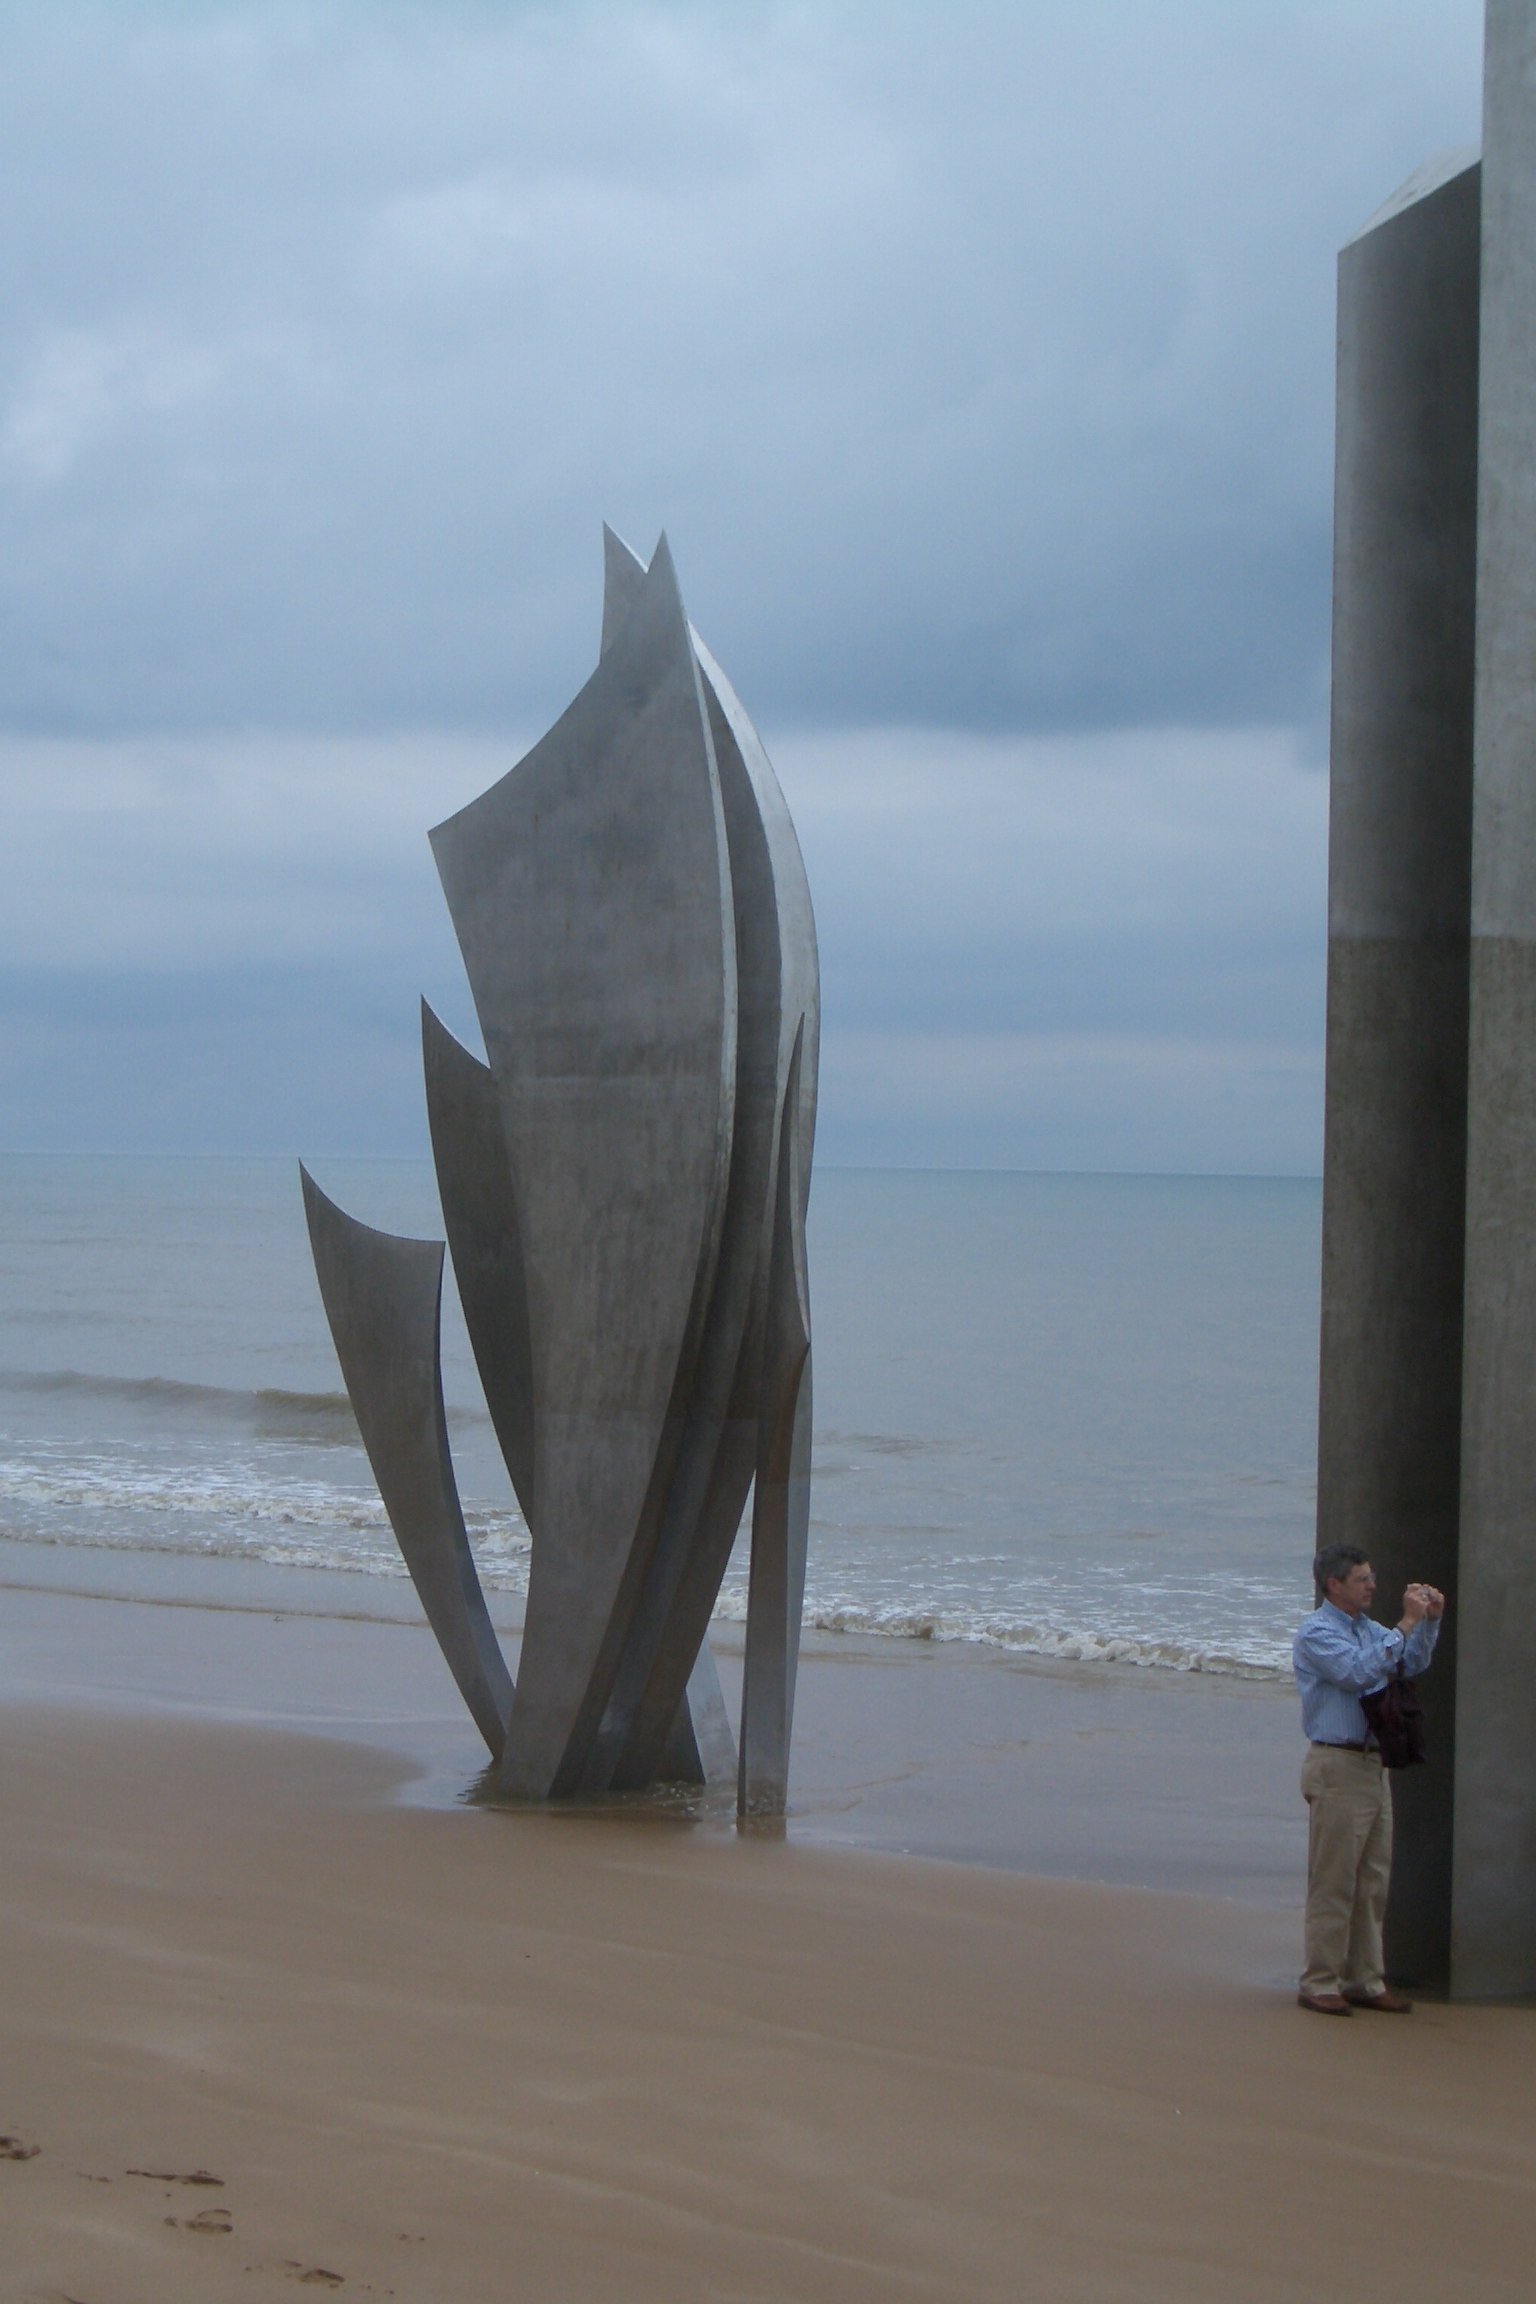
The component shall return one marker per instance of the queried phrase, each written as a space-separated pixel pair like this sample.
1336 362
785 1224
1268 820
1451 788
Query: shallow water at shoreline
960 1753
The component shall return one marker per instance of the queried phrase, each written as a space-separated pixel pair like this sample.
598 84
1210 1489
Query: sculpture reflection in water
624 1188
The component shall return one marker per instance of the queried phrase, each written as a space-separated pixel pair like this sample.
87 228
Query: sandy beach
440 2052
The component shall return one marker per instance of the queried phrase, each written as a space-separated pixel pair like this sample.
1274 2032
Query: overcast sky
976 358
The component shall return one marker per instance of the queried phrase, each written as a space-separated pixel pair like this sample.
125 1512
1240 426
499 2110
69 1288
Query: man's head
1344 1575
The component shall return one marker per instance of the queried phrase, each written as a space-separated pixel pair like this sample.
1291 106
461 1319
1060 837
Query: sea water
1073 1415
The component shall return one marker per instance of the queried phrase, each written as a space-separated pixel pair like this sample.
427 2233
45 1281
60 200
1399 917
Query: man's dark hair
1336 1560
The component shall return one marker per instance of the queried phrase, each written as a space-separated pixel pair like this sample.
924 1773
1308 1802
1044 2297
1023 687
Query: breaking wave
298 1524
270 1414
245 1489
502 1556
1256 1660
238 1513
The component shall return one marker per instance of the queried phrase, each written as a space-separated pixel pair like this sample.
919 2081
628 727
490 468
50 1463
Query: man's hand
1419 1601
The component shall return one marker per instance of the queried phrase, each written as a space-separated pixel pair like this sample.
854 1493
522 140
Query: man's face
1354 1592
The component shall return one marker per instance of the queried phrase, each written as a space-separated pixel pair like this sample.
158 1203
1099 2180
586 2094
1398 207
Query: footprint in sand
312 2275
207 2220
12 2148
173 2176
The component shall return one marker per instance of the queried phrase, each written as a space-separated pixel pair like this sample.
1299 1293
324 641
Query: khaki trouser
1349 1865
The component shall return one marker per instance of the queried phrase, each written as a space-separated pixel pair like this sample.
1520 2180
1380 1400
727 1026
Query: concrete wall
1494 1939
1399 902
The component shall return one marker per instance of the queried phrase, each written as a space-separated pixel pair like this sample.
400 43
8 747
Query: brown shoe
1385 2003
1325 2003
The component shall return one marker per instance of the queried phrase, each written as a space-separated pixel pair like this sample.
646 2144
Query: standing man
1340 1655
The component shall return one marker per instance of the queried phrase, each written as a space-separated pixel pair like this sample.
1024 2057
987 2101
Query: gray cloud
976 358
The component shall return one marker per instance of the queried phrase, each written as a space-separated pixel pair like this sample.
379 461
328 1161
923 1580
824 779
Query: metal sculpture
624 1188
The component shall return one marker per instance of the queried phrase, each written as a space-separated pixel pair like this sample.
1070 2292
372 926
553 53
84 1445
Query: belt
1319 1745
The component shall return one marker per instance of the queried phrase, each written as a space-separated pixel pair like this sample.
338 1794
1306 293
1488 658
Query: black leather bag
1396 1720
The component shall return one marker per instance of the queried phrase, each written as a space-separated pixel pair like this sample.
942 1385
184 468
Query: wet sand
1142 1778
250 1930
266 2028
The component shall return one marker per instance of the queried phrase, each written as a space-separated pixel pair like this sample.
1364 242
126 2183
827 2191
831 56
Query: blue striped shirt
1339 1658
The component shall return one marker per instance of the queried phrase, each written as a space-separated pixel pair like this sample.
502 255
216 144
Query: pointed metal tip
661 576
619 555
623 579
